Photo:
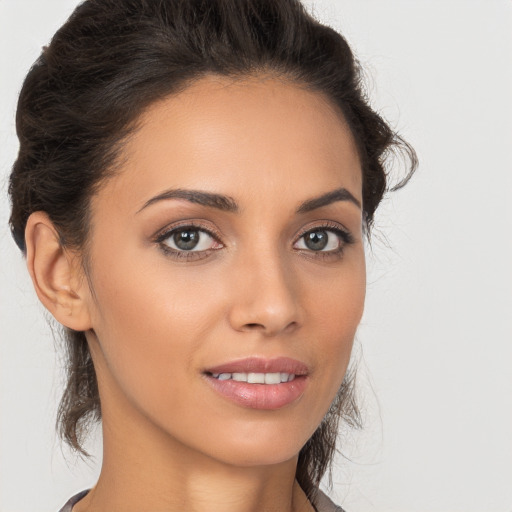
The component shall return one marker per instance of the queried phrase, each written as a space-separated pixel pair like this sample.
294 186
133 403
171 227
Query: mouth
256 378
257 383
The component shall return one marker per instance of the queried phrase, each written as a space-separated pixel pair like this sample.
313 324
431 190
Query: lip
262 365
260 396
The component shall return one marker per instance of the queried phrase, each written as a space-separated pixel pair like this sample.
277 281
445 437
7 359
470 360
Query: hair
110 61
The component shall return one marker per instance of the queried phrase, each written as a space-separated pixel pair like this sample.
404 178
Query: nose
266 297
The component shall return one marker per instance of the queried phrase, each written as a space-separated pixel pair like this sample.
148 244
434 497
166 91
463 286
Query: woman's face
226 270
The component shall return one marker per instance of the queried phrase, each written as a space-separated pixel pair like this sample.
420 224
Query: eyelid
327 225
187 256
166 231
346 238
344 235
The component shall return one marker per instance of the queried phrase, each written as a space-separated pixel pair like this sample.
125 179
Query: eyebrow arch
209 199
228 204
340 194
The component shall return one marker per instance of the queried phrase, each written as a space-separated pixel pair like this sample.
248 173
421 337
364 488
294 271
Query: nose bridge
266 297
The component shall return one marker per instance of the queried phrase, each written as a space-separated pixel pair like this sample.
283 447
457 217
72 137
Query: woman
194 185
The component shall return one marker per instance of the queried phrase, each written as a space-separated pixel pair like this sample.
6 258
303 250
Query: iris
316 240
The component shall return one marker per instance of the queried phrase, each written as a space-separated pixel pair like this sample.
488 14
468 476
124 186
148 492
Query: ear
56 274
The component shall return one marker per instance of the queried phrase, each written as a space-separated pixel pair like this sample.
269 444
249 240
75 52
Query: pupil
186 240
316 240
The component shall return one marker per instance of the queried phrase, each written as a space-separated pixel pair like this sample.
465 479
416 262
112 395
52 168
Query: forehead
228 135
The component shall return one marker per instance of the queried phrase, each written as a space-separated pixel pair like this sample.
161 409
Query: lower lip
260 396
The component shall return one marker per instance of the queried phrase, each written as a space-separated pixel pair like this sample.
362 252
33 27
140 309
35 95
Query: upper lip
261 365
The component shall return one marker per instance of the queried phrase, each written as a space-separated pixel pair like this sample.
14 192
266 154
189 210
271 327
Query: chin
258 445
258 456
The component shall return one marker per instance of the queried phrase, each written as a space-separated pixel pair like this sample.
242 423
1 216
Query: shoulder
73 500
323 503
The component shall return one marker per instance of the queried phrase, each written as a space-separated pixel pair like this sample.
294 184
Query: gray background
435 344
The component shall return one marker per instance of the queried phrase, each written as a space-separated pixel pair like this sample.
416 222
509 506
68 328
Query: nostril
254 326
268 329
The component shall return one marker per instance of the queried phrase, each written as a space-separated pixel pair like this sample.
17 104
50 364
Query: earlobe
56 274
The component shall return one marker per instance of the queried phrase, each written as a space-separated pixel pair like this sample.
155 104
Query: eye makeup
321 232
192 240
190 234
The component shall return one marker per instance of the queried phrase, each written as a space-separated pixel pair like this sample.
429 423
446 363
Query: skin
154 322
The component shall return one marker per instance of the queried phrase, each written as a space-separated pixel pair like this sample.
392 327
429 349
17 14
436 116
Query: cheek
150 320
137 289
334 313
337 307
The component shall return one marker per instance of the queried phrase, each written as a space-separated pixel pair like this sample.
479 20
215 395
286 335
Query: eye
186 241
325 239
189 239
319 240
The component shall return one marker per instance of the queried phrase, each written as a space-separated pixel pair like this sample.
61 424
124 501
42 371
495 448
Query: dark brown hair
110 61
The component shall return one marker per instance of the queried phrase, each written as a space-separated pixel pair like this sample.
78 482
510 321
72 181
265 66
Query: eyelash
343 235
186 255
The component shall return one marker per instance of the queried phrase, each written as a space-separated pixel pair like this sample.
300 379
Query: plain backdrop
435 344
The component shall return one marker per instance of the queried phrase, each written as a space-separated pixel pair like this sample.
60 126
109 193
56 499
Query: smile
257 383
256 378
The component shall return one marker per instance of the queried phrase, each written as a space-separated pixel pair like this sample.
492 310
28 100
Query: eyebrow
228 204
340 194
209 199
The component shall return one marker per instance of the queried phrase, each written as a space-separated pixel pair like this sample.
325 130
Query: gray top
322 503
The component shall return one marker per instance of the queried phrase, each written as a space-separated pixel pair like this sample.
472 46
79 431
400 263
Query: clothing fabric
322 503
73 501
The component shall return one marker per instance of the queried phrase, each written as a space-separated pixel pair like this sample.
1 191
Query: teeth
256 378
272 378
